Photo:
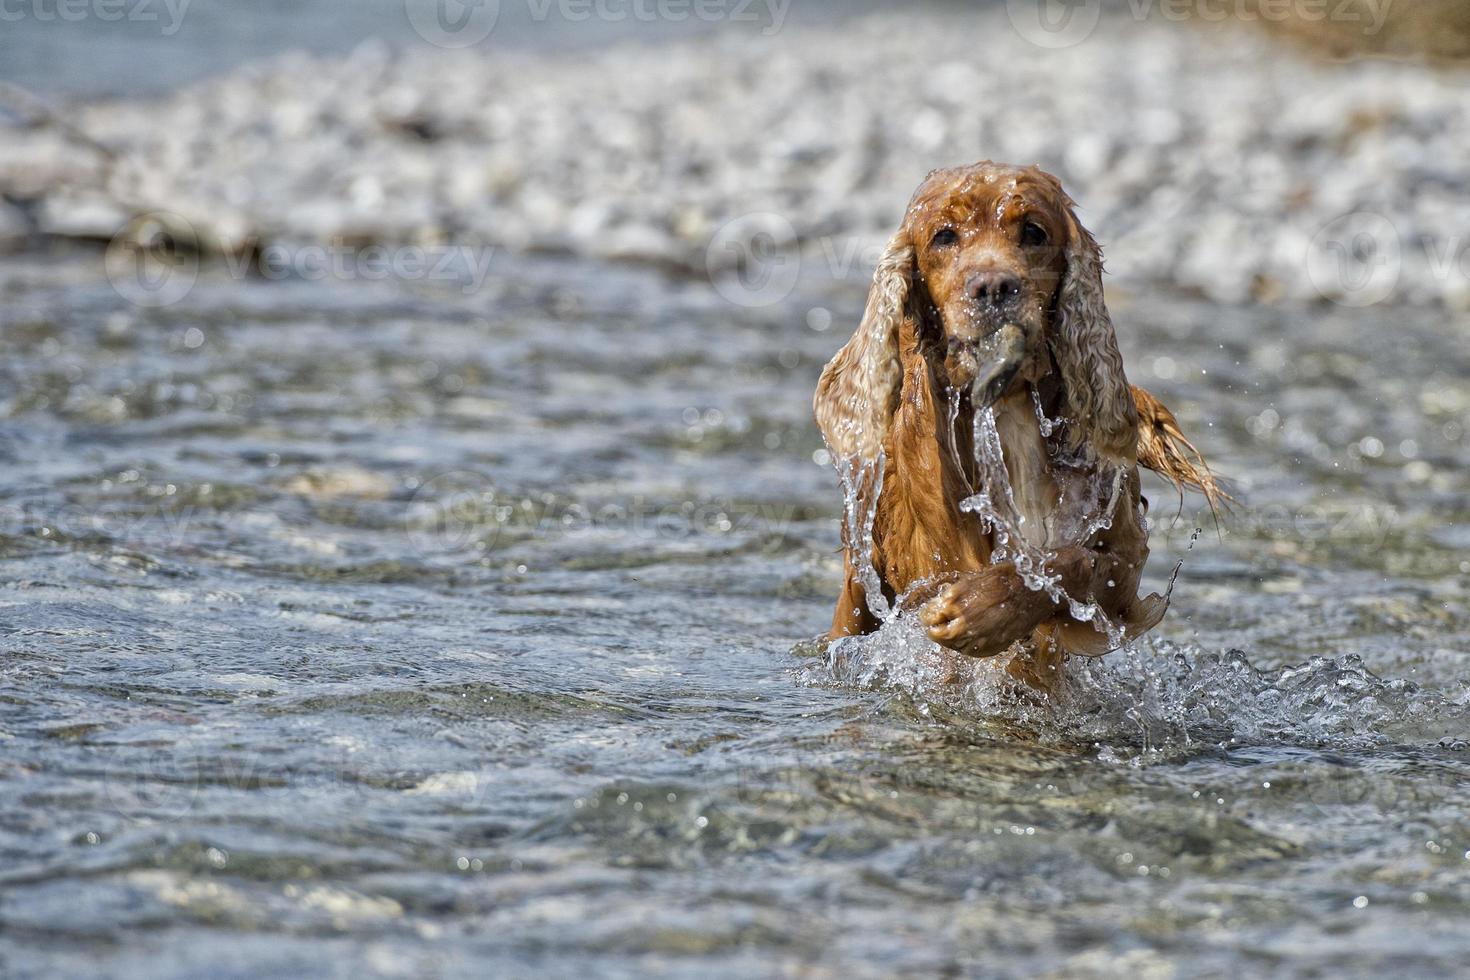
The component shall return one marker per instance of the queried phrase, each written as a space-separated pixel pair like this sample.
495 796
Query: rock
14 229
80 214
1204 160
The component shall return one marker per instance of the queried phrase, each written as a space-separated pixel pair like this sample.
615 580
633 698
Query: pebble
1215 162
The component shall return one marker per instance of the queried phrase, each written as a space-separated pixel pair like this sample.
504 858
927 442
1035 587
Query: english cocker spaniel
986 435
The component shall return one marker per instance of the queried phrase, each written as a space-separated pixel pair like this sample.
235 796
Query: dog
986 329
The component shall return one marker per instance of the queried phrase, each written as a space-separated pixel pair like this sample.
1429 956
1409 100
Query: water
389 629
152 47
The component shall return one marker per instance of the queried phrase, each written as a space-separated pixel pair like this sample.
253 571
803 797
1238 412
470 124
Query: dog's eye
1033 234
944 237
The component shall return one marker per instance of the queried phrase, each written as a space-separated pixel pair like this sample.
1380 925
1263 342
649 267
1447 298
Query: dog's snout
993 288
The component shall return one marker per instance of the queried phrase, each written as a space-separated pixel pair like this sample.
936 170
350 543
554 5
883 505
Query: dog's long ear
858 391
1086 350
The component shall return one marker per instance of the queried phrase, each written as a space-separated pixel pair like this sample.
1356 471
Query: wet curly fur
983 247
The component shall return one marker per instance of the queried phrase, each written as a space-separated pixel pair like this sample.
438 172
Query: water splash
1044 423
1154 696
1079 519
1089 498
862 483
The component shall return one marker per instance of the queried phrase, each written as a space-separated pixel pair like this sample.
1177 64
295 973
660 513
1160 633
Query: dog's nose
993 289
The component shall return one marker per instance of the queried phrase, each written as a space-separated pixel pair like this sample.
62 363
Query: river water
112 48
406 628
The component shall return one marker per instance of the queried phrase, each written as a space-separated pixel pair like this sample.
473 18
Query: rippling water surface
394 629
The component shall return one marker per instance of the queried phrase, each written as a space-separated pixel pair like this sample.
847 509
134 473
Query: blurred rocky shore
1221 162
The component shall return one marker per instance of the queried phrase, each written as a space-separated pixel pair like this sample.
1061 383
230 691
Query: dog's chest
1035 490
1051 503
926 525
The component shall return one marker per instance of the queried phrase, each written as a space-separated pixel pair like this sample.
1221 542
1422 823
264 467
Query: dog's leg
1038 664
982 613
852 615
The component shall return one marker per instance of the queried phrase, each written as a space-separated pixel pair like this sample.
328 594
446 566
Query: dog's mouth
991 363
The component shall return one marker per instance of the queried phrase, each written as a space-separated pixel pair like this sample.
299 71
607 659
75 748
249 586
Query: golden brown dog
986 330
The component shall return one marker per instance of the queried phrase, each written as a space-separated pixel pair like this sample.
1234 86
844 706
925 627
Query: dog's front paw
957 618
983 613
944 615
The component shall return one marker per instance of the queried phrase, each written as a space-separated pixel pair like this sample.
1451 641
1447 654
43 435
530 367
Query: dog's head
1001 284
